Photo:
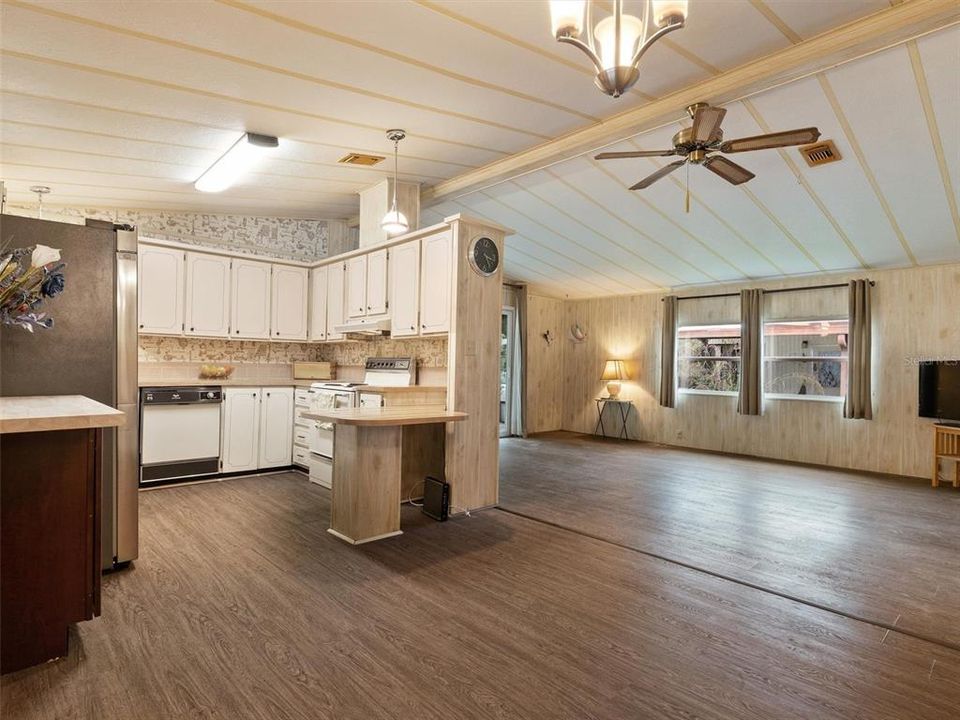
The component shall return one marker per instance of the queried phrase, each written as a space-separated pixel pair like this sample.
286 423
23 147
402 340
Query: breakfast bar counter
380 458
49 522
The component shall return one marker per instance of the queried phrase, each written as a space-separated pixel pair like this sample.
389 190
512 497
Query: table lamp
614 372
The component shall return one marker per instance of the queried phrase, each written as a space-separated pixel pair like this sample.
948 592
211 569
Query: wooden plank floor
242 606
881 548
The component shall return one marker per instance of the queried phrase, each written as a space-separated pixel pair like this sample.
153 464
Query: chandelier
618 41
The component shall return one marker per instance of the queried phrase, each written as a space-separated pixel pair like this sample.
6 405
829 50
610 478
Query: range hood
370 327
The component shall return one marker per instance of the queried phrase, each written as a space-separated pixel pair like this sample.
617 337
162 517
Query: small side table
625 406
946 446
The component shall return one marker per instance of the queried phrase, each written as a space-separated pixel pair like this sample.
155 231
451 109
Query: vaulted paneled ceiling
125 103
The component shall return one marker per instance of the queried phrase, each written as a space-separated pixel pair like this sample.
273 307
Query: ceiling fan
701 143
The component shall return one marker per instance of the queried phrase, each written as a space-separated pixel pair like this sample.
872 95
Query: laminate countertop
40 413
226 382
388 416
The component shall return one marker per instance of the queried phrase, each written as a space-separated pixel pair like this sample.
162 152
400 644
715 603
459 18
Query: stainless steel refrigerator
90 350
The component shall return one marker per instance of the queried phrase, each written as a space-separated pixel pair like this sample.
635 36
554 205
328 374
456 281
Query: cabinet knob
191 329
412 327
278 332
423 327
238 332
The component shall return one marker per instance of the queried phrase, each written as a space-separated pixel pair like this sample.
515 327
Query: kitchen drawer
302 396
301 456
301 436
321 470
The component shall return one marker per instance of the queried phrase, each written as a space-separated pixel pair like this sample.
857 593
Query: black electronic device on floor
436 498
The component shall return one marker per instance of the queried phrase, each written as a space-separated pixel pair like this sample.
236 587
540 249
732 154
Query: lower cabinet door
239 451
276 426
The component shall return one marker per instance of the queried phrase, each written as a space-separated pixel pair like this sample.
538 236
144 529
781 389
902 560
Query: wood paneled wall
544 401
473 374
916 315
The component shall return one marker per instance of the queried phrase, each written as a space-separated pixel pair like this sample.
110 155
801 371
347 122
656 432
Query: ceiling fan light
631 31
669 12
395 222
566 17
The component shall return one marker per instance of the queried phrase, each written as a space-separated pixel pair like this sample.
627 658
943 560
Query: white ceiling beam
883 29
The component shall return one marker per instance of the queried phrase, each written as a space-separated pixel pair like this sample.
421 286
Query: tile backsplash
430 352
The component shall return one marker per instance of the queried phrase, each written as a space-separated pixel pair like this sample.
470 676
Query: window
805 359
708 358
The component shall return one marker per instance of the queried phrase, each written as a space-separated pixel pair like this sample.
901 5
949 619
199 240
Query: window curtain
668 353
858 403
518 385
751 352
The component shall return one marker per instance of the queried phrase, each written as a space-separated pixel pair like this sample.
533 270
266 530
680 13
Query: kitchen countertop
39 413
197 382
374 417
400 389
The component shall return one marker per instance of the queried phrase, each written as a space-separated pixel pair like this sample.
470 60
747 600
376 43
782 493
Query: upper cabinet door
335 299
377 272
160 290
318 303
435 277
290 290
250 306
405 289
356 292
208 295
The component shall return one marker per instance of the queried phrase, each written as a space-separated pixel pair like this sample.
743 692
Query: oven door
323 437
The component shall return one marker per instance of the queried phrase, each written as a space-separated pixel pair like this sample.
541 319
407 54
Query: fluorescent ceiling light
243 156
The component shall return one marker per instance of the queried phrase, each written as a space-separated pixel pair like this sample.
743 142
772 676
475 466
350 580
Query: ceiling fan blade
728 170
706 123
662 172
635 154
803 136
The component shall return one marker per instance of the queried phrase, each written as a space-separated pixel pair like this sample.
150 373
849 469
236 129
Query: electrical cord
410 496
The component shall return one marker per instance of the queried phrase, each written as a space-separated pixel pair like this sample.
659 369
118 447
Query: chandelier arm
653 38
576 42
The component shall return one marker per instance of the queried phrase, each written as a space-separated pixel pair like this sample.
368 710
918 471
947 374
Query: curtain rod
769 292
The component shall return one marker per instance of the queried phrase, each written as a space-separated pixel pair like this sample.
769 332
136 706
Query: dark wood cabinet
50 531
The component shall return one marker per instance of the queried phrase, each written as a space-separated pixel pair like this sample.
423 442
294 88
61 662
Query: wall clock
484 256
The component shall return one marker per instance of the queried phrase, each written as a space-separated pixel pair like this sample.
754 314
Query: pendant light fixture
618 41
395 222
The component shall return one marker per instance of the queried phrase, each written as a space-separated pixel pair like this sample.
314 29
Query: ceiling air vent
361 159
820 153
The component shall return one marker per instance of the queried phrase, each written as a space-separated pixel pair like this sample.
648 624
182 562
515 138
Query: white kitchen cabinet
160 290
207 307
377 288
435 280
405 289
336 274
289 303
356 290
318 304
240 447
276 427
250 299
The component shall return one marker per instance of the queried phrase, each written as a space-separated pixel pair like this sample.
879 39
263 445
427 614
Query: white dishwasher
179 433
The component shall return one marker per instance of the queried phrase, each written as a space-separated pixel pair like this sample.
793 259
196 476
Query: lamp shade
614 370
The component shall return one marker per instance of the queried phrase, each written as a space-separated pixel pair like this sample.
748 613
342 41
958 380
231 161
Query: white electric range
385 372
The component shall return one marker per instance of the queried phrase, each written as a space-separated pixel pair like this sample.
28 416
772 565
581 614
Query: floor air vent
820 153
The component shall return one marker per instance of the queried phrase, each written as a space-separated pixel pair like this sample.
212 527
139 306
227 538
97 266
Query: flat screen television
940 390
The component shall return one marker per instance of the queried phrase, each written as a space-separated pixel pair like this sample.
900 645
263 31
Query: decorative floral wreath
23 288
